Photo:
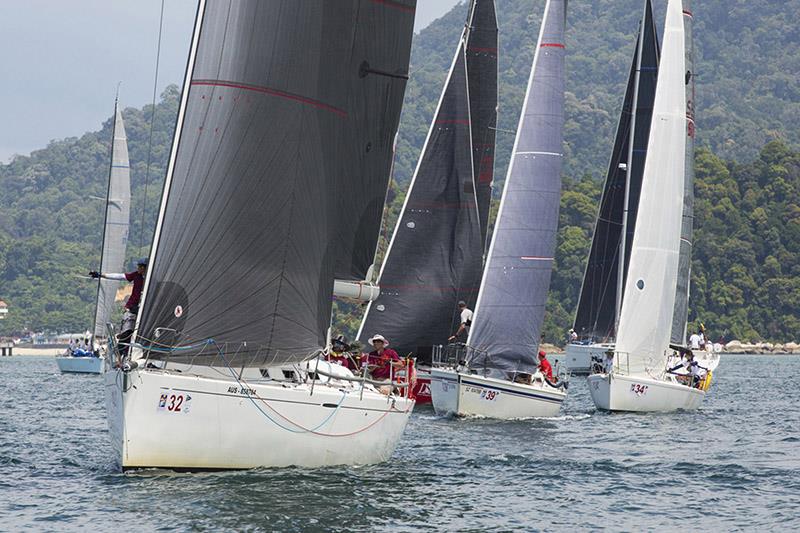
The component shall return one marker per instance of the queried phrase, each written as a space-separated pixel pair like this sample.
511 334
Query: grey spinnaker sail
482 76
288 107
678 335
434 258
596 315
511 301
117 220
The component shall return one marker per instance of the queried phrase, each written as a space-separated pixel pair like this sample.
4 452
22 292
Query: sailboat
435 255
601 293
497 376
639 380
112 258
273 196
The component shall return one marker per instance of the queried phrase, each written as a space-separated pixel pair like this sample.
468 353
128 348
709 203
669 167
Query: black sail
435 255
268 139
482 76
595 317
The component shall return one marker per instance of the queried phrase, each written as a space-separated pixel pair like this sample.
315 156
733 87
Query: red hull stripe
272 92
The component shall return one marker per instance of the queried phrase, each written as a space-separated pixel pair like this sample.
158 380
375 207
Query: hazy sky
62 59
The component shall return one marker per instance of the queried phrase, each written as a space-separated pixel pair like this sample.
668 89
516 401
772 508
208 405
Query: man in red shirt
544 366
137 277
382 359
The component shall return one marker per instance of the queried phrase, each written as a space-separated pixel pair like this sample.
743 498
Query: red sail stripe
552 45
396 5
272 92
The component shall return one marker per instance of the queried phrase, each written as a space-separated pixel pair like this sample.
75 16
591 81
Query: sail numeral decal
484 394
172 402
638 389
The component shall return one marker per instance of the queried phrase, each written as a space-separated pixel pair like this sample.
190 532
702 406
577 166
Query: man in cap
544 366
466 321
339 354
382 359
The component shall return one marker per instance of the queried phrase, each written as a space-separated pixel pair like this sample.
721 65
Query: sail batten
647 310
278 174
117 222
596 314
510 309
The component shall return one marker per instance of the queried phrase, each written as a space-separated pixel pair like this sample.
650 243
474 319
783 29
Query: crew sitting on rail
544 366
340 353
694 372
382 359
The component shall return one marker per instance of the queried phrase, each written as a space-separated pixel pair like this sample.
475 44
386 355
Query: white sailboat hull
80 365
171 420
616 392
577 358
462 394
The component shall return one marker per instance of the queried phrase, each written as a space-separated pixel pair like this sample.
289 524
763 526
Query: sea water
732 464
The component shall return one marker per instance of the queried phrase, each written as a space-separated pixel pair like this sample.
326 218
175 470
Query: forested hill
745 277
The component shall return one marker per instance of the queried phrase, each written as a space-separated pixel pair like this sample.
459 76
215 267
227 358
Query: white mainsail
646 316
117 220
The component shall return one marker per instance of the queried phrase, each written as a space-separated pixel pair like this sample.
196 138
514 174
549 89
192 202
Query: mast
435 253
628 170
513 292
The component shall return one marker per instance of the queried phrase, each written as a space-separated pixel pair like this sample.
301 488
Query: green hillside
745 279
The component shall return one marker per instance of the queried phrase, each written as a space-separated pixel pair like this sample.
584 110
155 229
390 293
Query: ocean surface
732 465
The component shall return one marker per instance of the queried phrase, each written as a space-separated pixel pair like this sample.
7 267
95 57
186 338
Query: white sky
62 59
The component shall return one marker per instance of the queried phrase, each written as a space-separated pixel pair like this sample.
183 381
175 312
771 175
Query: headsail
117 220
511 302
287 108
646 319
435 255
685 266
482 76
596 315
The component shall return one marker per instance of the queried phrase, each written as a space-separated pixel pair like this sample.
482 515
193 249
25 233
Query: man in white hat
382 358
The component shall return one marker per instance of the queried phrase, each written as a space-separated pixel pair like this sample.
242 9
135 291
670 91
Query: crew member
544 366
608 363
339 354
382 359
132 305
466 321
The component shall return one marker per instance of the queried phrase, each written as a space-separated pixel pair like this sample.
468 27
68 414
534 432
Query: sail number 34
639 389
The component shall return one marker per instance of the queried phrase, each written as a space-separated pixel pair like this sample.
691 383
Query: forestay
278 172
511 301
435 255
646 319
685 265
117 220
596 315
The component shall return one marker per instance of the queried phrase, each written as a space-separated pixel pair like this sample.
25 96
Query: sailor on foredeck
466 322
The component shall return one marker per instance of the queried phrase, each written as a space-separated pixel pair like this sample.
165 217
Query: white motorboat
462 393
286 122
505 334
639 380
578 357
87 364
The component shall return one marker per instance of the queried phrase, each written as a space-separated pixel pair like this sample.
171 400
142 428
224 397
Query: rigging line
152 122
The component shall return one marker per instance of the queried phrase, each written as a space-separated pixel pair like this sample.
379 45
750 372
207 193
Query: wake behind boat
286 123
497 374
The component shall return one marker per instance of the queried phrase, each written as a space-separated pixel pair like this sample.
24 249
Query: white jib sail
115 235
646 316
